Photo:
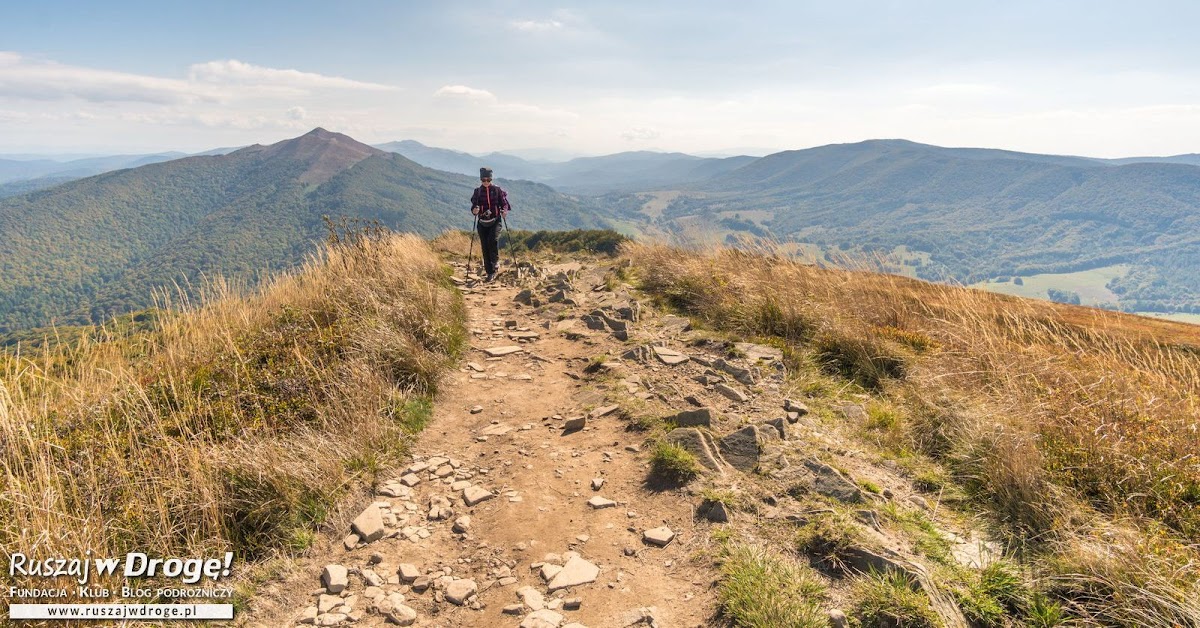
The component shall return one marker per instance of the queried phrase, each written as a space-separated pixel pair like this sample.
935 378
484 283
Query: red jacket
490 200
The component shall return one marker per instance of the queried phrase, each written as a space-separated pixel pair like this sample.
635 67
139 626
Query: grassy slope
1072 427
214 431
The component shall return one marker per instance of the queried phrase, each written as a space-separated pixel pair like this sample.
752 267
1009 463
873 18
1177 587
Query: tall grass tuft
763 589
233 426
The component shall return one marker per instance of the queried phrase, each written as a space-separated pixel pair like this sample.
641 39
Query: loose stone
335 578
661 536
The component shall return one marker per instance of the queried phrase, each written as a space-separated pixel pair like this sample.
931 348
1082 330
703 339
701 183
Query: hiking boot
490 278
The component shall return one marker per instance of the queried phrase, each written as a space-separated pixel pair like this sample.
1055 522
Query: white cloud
462 91
640 134
232 71
32 79
297 113
21 77
536 26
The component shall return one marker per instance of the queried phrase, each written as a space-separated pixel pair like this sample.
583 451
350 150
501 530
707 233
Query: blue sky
1094 78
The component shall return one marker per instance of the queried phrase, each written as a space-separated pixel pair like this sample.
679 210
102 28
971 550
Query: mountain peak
325 152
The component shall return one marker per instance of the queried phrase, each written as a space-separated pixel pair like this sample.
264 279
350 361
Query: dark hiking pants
489 239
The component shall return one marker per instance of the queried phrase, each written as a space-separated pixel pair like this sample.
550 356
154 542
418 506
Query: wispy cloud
536 26
232 71
640 134
22 77
35 79
464 92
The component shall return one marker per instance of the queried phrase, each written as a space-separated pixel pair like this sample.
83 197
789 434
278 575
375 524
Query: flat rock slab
544 618
669 357
831 483
702 417
577 571
458 591
599 502
740 449
497 352
369 524
532 598
732 393
496 429
743 375
523 335
699 444
326 603
756 352
661 536
603 411
473 495
675 324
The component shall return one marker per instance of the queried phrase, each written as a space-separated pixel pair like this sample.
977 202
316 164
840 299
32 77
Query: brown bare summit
324 152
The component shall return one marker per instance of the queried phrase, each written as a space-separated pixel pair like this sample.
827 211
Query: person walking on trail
490 205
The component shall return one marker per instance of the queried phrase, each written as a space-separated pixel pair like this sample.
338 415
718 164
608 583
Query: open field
1088 284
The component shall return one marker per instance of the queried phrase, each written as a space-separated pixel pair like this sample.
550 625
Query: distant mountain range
21 176
977 213
21 170
620 172
99 246
88 248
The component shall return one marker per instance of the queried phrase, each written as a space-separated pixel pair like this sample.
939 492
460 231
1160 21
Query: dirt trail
512 515
499 424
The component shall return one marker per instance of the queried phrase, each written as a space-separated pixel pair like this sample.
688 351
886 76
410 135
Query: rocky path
529 500
526 503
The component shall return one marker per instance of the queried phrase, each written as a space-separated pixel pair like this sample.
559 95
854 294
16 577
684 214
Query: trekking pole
471 250
508 240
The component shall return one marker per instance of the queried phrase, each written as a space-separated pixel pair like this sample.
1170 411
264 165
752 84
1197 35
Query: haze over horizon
1074 78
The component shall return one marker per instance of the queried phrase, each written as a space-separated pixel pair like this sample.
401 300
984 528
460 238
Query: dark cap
485 173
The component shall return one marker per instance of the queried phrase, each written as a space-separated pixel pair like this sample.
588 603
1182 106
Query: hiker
490 205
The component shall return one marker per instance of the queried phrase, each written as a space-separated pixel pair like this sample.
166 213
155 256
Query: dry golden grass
454 242
1050 413
236 425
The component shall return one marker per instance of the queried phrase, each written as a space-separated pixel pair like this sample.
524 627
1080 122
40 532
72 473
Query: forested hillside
100 246
978 213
